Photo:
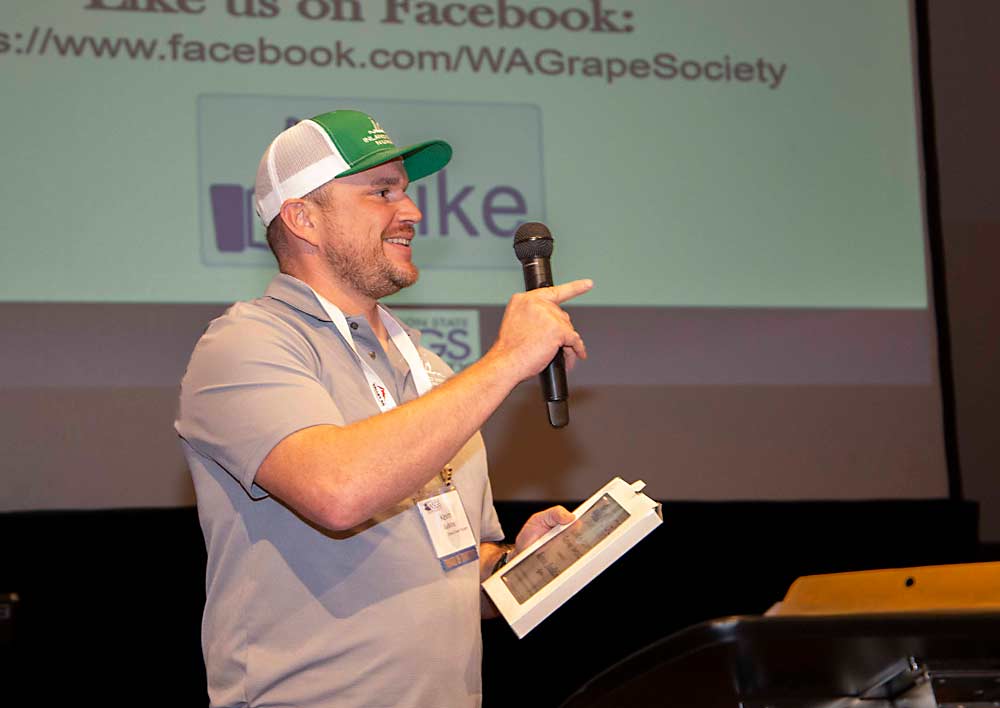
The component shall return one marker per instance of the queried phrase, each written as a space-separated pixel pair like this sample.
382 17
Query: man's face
369 222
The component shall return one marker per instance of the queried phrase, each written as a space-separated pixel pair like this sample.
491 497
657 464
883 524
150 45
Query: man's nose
409 211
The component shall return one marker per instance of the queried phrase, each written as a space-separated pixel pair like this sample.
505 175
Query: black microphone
533 247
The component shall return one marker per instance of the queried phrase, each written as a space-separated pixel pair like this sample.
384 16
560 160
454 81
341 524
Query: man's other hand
539 524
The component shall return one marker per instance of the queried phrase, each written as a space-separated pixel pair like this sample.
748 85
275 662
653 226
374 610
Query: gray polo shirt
295 615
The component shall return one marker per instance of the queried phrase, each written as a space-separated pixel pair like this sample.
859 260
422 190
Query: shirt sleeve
252 381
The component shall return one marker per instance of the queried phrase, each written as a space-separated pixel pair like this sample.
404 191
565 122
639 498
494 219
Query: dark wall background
110 600
965 76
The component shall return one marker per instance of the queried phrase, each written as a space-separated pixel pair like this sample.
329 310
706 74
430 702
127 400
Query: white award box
555 567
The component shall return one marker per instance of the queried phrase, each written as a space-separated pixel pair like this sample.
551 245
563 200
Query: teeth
398 241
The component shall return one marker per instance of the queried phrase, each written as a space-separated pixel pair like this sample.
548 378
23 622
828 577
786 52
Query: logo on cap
376 134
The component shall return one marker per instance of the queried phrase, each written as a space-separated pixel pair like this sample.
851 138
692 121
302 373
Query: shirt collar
295 293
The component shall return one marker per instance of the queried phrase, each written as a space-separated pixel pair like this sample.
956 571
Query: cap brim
420 160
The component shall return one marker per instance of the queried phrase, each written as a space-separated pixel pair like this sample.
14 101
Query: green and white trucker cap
336 144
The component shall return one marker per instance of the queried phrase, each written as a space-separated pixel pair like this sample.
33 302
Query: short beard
372 275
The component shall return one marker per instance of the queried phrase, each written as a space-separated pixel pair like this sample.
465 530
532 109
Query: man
340 476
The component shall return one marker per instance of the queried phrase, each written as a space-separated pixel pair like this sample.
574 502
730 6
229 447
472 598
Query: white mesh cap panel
262 186
296 162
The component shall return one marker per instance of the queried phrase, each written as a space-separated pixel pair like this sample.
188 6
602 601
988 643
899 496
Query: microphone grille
532 240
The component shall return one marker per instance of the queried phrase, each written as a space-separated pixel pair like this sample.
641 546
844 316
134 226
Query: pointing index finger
566 291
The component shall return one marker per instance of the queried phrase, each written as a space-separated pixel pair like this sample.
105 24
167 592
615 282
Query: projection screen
742 180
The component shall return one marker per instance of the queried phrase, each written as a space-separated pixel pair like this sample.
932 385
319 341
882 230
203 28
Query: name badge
449 529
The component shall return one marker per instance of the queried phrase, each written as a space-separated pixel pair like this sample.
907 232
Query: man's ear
300 218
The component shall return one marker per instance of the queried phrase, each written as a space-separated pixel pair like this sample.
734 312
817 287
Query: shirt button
371 354
354 325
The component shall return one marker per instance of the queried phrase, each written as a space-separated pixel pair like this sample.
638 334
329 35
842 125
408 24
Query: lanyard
403 343
451 534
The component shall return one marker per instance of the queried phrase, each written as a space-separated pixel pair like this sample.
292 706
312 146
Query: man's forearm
340 476
489 555
344 475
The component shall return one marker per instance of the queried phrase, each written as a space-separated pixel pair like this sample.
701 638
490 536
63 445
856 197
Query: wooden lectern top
967 586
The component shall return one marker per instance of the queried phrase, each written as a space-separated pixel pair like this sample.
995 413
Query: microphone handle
538 274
